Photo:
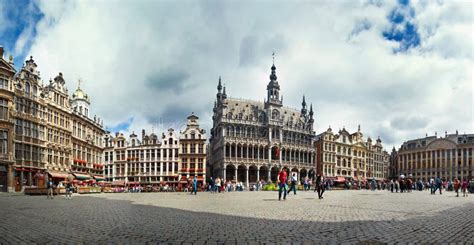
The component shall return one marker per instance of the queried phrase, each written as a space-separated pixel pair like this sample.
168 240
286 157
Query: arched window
27 88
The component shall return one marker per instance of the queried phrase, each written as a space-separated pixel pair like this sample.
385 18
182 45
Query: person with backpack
439 185
195 185
282 184
50 186
294 181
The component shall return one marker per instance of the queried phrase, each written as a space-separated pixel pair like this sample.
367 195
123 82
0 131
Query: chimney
1 52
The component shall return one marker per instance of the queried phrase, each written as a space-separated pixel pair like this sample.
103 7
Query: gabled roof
7 66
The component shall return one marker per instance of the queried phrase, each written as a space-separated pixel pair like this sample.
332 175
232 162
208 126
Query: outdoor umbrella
70 178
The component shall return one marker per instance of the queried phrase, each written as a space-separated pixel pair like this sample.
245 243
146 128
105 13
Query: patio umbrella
402 176
70 178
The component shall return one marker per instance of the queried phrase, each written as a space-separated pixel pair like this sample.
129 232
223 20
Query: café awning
81 176
340 179
58 175
99 177
119 182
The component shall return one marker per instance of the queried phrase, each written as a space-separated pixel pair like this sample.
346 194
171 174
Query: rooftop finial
273 57
79 83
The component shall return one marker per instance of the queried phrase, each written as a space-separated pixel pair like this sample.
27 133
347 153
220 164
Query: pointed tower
273 88
303 107
219 89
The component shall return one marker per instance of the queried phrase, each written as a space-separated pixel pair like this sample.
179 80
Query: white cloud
161 60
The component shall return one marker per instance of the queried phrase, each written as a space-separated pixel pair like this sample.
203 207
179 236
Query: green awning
81 176
99 177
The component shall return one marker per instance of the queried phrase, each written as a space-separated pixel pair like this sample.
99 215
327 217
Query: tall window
27 88
3 142
3 109
3 83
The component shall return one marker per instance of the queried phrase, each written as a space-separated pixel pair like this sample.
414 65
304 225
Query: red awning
340 179
119 182
58 175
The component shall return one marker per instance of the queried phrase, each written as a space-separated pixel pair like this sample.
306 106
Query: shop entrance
3 179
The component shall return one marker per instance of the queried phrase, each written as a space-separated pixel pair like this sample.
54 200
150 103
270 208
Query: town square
236 122
351 217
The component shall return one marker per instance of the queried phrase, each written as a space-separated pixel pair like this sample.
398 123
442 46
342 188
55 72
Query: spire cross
273 57
79 86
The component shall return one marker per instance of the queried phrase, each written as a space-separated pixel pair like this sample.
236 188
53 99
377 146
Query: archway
253 174
303 174
274 174
241 173
311 174
230 172
263 173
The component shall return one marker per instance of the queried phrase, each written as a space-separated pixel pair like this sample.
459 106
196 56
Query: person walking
195 187
50 186
294 180
464 187
438 185
320 185
68 190
282 184
457 186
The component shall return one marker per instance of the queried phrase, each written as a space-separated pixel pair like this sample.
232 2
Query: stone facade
193 152
152 161
36 128
349 156
449 157
252 140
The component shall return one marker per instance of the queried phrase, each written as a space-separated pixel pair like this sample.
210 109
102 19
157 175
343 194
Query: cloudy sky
401 69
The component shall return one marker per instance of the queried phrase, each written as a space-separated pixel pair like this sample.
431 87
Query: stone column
258 153
269 176
247 177
21 179
236 179
223 150
11 179
258 174
270 154
30 179
224 175
247 149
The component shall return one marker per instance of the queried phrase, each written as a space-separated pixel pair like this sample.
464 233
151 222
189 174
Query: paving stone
349 217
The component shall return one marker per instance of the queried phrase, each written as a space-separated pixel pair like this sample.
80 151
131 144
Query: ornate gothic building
44 133
253 140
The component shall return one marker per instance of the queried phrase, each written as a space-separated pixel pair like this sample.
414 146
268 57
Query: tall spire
303 106
224 94
273 89
311 113
219 85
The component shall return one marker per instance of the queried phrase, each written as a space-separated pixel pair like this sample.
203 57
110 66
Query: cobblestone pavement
352 217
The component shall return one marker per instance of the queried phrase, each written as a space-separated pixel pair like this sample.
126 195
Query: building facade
347 155
193 152
7 123
449 157
252 140
148 160
36 128
87 139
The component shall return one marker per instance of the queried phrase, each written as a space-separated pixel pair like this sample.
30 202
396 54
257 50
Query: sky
400 69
